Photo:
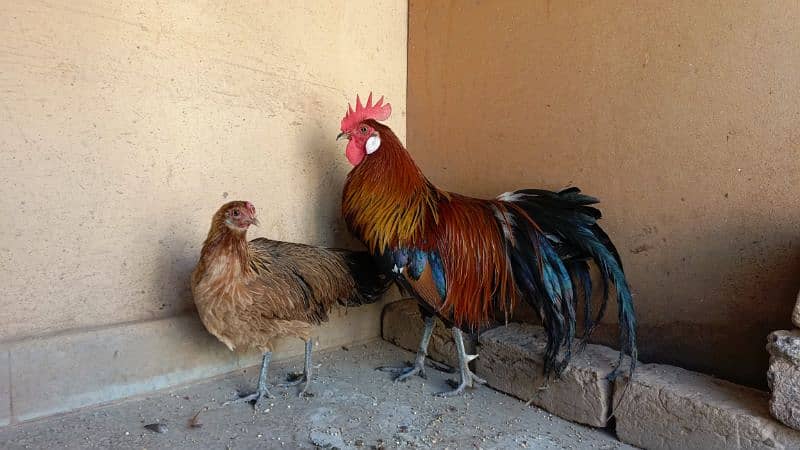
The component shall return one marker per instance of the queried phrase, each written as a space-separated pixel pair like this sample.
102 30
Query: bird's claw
439 367
406 372
468 380
254 399
304 392
293 379
392 369
457 391
296 379
410 372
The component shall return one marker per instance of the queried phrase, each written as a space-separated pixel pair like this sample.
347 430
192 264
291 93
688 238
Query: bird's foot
405 372
254 398
293 379
468 380
296 379
439 366
304 392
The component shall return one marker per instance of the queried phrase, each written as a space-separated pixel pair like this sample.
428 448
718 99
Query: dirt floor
353 407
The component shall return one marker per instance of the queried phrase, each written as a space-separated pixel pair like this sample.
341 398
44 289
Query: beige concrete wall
124 125
681 116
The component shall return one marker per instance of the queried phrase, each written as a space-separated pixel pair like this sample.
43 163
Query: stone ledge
402 326
783 376
60 373
511 360
665 407
668 407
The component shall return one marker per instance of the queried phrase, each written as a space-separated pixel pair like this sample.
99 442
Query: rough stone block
784 376
403 325
667 407
512 360
5 388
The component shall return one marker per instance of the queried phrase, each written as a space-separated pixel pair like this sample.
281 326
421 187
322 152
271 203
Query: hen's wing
296 281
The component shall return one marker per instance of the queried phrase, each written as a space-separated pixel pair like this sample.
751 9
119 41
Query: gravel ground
353 407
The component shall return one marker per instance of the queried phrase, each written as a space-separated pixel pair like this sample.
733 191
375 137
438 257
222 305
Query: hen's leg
418 368
305 377
467 377
262 390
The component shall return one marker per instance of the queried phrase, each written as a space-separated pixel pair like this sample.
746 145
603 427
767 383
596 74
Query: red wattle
354 154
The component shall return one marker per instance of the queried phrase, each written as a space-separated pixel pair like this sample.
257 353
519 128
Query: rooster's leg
418 368
262 390
467 377
305 377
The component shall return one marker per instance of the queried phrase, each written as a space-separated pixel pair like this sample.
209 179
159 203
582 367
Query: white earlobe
373 143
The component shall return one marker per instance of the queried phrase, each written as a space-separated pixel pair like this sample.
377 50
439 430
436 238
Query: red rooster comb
378 111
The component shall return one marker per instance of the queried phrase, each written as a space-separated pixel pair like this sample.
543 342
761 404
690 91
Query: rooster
250 293
467 260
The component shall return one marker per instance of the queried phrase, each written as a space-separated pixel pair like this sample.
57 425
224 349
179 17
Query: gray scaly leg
467 377
262 390
306 376
404 373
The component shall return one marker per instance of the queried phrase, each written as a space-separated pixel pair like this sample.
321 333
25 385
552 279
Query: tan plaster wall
681 116
124 126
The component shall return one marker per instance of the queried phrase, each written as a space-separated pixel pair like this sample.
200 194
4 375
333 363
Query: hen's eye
363 130
235 213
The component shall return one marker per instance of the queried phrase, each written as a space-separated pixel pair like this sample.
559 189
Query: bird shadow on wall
171 295
171 288
327 174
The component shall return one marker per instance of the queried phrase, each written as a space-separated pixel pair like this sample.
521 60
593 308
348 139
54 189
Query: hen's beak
342 134
254 221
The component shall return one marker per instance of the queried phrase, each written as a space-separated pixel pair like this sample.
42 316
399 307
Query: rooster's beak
342 134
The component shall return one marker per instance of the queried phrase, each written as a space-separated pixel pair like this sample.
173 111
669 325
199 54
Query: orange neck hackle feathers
387 200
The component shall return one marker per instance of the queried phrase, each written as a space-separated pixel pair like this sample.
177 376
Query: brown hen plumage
248 294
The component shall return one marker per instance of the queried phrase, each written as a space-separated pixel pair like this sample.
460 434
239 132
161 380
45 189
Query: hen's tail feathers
371 282
554 236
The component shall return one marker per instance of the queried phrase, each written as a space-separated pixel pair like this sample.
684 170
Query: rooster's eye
363 130
235 213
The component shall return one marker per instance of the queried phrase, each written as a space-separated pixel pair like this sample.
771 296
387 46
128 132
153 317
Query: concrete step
54 374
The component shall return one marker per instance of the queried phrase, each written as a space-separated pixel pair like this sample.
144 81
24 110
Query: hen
248 294
465 258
